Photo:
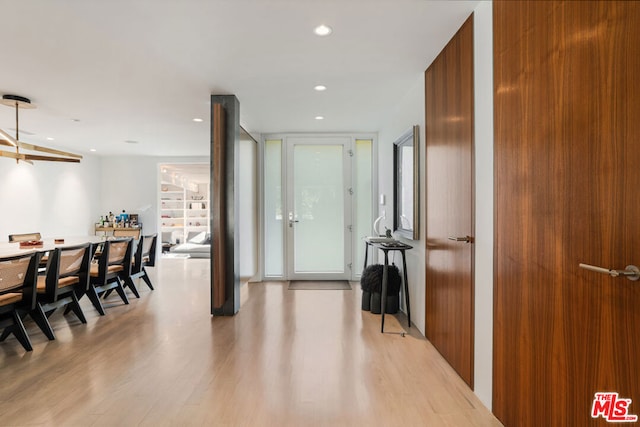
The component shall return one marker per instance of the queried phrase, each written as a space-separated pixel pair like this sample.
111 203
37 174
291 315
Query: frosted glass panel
274 244
248 207
364 198
319 209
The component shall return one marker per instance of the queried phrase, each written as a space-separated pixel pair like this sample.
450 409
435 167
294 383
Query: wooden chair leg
146 279
120 290
40 317
129 283
77 294
19 331
75 306
95 300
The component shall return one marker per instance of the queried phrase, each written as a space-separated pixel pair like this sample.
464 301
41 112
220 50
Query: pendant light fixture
20 102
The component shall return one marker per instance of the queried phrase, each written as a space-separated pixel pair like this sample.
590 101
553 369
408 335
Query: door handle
631 272
466 239
291 220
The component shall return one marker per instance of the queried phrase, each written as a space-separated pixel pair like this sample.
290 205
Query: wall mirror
406 201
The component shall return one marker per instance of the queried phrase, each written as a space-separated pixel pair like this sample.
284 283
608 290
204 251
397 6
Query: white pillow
199 238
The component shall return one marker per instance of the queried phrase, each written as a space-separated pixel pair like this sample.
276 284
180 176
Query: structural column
225 266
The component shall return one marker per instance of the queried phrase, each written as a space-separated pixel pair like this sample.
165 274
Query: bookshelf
184 210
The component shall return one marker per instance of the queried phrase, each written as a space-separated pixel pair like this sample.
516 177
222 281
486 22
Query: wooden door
567 169
449 177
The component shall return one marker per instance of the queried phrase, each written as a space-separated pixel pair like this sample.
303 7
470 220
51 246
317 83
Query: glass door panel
273 217
363 208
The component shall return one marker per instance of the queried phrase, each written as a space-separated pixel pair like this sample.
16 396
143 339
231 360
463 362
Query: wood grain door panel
449 183
567 166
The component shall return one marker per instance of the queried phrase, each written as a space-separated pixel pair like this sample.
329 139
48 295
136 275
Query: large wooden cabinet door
567 173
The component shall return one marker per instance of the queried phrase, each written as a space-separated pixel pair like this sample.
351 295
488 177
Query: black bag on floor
371 284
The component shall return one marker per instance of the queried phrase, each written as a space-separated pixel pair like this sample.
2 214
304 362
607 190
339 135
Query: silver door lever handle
631 272
466 239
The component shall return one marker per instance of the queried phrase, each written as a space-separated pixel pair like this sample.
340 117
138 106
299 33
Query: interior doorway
184 210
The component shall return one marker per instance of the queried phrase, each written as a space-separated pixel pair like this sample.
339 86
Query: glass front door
318 214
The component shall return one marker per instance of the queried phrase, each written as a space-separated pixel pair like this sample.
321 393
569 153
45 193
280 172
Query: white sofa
198 245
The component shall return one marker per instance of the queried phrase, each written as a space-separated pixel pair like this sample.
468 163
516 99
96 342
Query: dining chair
25 237
145 256
110 272
66 279
18 275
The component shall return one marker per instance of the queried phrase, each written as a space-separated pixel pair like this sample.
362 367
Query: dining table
9 249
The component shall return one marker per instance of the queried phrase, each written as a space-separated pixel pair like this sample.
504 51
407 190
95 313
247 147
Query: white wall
55 199
131 183
66 199
410 111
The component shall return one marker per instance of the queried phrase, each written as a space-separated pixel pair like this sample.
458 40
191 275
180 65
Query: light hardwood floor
289 358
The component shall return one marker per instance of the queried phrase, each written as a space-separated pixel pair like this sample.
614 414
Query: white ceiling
143 69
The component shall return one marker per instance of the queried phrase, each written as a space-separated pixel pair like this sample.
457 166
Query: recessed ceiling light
320 88
322 30
319 117
197 120
93 150
50 138
164 170
75 120
131 141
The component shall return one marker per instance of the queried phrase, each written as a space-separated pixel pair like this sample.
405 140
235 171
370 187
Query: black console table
387 246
